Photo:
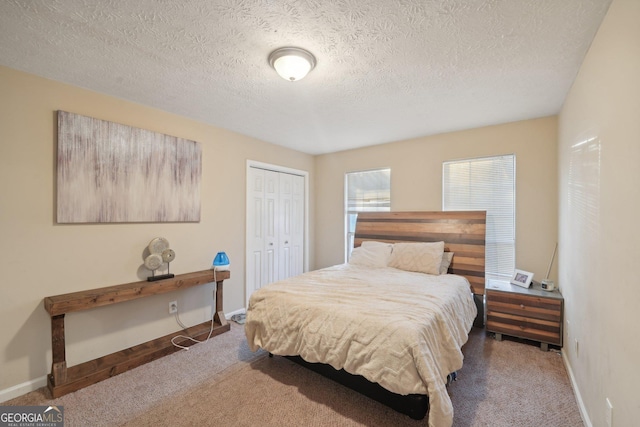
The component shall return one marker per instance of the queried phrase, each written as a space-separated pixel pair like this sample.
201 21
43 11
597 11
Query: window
366 191
487 183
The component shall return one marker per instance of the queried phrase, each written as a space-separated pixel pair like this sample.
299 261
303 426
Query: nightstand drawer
525 306
525 327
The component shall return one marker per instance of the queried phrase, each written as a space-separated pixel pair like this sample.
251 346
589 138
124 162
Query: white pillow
376 244
371 254
419 257
446 262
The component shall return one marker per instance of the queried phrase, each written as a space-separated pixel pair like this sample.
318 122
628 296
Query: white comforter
400 329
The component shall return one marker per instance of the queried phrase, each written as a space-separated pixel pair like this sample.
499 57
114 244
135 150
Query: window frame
348 232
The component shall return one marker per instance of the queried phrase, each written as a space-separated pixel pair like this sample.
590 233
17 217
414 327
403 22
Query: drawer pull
521 305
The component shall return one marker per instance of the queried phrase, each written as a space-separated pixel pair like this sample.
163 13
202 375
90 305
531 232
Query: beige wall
599 233
416 183
39 257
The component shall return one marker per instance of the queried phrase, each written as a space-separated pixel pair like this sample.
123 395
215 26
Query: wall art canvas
109 172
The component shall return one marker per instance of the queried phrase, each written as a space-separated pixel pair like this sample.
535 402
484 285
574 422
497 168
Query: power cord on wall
186 337
185 328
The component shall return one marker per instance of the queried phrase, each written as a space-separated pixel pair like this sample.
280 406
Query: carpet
221 382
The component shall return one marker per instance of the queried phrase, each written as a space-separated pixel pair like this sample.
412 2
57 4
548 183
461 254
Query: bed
387 323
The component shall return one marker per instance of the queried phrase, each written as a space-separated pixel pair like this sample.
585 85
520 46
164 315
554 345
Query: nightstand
529 313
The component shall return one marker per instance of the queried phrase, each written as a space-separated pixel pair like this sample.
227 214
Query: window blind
488 184
365 191
369 191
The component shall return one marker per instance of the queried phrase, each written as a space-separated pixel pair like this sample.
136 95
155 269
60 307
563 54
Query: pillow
376 244
371 254
446 262
419 257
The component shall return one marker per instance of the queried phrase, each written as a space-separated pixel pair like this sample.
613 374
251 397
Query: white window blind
486 183
365 191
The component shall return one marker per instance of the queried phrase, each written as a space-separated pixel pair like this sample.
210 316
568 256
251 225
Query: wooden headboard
463 233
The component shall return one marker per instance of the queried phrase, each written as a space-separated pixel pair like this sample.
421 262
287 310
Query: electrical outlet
609 413
173 307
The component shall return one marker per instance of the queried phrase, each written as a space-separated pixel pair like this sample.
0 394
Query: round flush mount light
292 63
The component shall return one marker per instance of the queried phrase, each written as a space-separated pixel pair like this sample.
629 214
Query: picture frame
113 173
522 278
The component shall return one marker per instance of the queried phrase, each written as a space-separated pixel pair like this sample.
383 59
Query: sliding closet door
275 227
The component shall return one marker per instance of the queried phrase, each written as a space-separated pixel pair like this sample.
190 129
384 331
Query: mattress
400 329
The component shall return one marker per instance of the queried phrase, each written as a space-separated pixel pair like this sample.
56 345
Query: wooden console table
63 379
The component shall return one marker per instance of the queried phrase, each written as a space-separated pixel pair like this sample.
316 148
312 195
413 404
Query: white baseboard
240 311
24 388
574 385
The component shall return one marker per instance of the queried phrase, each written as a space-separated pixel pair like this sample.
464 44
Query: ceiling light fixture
292 63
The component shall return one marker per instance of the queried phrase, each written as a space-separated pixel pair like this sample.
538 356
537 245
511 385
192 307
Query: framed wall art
109 172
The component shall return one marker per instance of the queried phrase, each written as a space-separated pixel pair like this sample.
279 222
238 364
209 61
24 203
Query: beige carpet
222 383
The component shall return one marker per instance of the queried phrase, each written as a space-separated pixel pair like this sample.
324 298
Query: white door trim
275 168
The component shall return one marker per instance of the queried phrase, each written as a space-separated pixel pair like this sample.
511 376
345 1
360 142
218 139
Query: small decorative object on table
221 262
546 284
159 253
522 278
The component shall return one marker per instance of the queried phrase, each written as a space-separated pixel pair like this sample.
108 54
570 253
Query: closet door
285 235
275 227
271 221
255 230
291 234
263 227
296 240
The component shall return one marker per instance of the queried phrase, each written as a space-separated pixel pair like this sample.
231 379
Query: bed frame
464 234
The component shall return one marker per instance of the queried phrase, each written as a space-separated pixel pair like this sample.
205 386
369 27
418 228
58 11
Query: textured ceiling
386 70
